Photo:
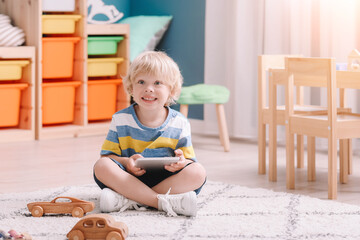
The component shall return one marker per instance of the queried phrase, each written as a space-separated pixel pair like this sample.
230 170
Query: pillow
145 32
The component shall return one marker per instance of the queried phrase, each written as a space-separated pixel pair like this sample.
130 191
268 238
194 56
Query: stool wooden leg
184 109
221 137
223 131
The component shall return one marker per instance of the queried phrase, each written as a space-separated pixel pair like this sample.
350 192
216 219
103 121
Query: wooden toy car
76 207
98 226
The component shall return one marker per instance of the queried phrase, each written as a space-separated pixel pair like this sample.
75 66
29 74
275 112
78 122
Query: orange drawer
102 98
58 56
10 98
58 102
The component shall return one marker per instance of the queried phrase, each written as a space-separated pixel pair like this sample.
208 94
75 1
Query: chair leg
261 147
272 131
272 148
224 135
332 169
344 160
300 151
290 166
311 159
184 109
349 149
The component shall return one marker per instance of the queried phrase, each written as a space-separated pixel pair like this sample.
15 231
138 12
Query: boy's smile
149 99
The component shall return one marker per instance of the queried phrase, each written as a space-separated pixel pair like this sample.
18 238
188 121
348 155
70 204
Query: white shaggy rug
225 211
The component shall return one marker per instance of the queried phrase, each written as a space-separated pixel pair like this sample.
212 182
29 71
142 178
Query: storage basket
58 56
102 98
58 6
10 99
58 102
100 67
59 24
12 69
103 45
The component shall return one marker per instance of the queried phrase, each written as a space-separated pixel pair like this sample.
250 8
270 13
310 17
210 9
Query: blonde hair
161 66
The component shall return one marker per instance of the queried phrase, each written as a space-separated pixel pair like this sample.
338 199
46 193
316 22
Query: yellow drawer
99 67
52 24
12 69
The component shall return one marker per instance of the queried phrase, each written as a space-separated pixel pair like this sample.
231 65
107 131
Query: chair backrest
265 62
312 72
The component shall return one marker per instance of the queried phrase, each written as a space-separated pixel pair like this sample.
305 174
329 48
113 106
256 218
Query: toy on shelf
98 226
98 7
10 36
75 206
354 61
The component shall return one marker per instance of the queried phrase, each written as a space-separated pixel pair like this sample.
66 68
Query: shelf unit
27 16
79 70
123 50
26 127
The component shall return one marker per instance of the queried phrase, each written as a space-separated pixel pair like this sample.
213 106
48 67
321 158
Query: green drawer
103 45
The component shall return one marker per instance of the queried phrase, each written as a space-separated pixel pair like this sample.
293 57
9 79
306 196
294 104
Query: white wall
232 34
217 24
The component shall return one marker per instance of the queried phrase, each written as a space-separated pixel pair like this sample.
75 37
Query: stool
203 94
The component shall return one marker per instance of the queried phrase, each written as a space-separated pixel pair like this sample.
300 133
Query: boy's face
150 92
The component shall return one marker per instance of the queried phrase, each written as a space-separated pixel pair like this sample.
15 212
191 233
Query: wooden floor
33 165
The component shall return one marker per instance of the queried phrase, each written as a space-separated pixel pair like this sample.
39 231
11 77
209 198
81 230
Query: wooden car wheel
76 235
114 236
77 212
37 211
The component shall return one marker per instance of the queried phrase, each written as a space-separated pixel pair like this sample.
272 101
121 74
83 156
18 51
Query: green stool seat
204 93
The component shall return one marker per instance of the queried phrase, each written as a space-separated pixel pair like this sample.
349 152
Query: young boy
149 128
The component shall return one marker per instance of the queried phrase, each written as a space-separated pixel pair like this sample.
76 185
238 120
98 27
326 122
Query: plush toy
10 36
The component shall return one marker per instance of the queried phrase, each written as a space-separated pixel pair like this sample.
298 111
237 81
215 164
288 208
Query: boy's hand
179 164
130 166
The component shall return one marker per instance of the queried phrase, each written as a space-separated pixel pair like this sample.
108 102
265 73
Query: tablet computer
154 163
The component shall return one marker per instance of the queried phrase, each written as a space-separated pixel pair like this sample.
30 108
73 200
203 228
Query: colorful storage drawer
58 24
103 45
58 6
58 102
100 67
58 56
102 98
12 69
10 98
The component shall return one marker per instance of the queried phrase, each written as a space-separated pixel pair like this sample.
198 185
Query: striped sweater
127 136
